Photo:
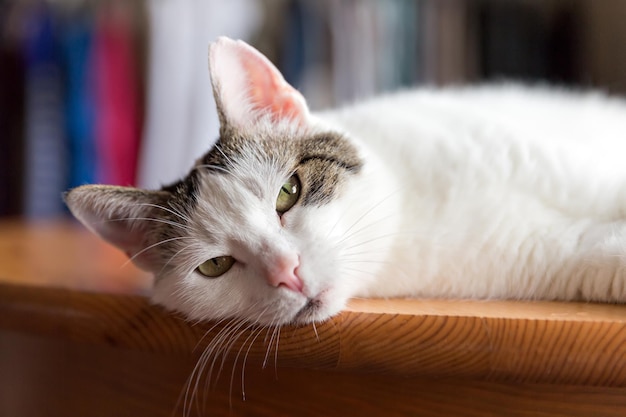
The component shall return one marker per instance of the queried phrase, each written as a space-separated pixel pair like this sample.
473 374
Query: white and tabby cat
488 192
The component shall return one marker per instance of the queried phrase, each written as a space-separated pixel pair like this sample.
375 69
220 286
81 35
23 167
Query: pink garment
117 113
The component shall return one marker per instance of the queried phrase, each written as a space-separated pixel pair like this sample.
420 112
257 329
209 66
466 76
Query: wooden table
78 338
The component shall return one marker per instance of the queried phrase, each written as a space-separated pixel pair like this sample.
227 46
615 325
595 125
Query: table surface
58 280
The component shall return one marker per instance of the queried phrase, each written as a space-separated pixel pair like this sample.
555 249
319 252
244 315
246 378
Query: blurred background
117 91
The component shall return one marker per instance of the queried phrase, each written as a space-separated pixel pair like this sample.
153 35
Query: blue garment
77 41
46 161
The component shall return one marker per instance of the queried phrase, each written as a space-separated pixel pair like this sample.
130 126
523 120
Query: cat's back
507 127
566 148
541 113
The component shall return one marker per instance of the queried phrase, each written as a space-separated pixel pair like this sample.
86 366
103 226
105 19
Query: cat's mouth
309 312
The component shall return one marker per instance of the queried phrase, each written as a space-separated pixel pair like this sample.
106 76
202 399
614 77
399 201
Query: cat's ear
120 215
247 86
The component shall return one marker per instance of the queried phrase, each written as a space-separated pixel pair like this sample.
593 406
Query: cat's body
485 192
501 191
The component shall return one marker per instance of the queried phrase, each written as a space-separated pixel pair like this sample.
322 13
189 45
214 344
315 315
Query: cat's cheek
195 297
164 294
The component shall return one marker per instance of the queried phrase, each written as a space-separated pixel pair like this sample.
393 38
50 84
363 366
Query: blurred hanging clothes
77 42
181 119
305 61
12 77
375 46
46 158
117 126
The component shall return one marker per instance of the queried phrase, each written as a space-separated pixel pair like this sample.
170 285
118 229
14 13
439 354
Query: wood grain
556 350
72 320
43 376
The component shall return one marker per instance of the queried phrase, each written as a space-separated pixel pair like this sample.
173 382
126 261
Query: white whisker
154 245
276 353
169 210
245 359
211 166
375 239
317 336
151 219
174 256
243 345
347 234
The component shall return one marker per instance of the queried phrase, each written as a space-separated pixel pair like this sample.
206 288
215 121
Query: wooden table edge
530 342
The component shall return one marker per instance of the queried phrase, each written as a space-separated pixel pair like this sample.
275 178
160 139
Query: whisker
253 335
231 164
356 245
351 233
317 336
269 346
132 258
214 349
360 218
211 166
370 273
174 256
232 374
362 229
245 359
225 347
276 353
368 261
169 210
222 320
151 219
219 345
197 370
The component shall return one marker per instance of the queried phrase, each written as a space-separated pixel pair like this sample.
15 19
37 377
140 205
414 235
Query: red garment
117 126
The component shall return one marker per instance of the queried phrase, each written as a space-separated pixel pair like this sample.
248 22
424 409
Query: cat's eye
216 267
288 194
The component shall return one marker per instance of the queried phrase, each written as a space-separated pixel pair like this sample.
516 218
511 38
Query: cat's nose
284 273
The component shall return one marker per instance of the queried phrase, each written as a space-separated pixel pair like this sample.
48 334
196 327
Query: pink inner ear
237 68
270 92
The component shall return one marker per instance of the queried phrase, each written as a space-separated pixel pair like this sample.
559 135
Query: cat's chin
309 313
305 316
317 309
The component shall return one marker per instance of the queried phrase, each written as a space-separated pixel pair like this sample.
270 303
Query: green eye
215 267
288 194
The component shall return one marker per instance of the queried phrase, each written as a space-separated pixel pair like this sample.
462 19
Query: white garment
181 119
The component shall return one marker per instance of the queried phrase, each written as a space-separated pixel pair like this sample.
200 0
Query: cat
493 191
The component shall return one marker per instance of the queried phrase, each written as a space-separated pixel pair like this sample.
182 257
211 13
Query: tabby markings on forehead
186 187
322 181
322 160
331 145
217 159
353 168
325 163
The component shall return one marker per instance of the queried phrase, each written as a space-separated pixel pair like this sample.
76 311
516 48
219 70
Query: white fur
483 192
341 245
506 192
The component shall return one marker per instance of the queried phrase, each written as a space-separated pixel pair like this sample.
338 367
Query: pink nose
284 272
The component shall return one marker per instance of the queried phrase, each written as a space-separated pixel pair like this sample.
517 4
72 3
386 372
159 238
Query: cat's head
262 226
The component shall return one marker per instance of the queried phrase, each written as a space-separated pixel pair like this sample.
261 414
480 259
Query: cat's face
250 230
259 228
